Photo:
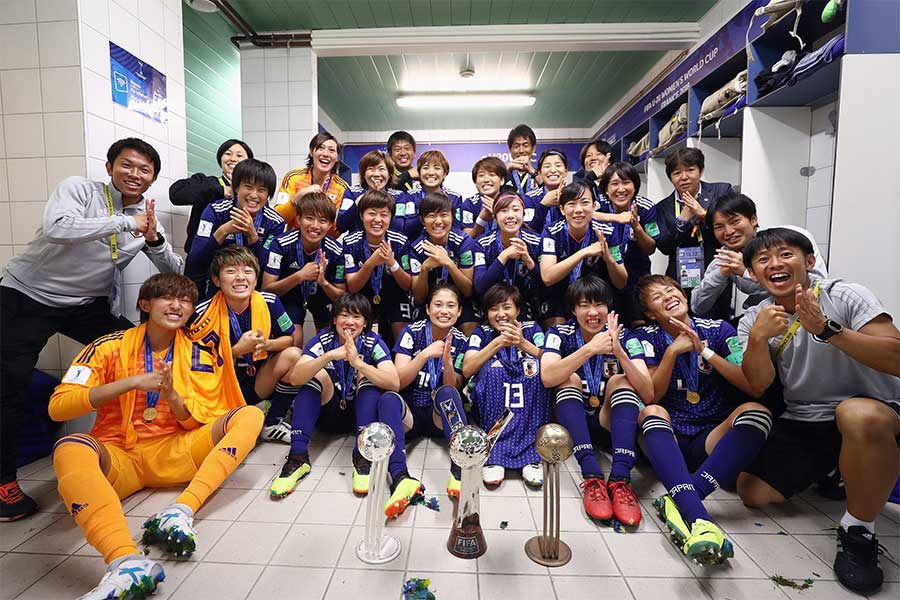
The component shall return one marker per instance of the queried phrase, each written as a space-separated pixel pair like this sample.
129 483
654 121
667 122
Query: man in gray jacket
69 280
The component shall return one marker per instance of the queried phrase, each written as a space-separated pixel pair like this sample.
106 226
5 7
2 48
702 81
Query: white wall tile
17 11
27 217
124 132
175 93
256 140
58 168
128 118
300 93
24 135
153 129
302 117
5 225
4 190
277 94
281 163
818 222
253 118
276 68
124 29
6 253
21 91
174 63
820 184
2 141
61 89
18 46
821 149
64 134
253 94
277 118
95 13
97 167
97 95
138 270
27 179
277 143
174 32
299 141
153 49
152 14
68 349
56 10
253 70
101 134
58 44
177 132
95 51
129 5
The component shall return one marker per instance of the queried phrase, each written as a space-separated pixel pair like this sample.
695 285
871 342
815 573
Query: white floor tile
336 479
822 590
45 494
520 587
330 508
226 505
449 586
428 553
515 512
646 555
349 559
506 554
267 453
346 583
737 567
743 589
437 457
248 543
16 532
405 520
62 537
265 510
251 477
157 500
825 547
18 571
590 556
733 517
45 473
647 588
311 546
590 587
568 486
797 516
435 481
219 581
888 590
299 583
33 467
72 578
782 555
571 516
885 525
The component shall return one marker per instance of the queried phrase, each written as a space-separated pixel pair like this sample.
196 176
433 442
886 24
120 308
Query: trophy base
533 550
388 551
467 541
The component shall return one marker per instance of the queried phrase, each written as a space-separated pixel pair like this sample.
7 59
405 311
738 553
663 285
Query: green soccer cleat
407 489
671 516
361 471
453 487
707 545
129 577
173 529
295 468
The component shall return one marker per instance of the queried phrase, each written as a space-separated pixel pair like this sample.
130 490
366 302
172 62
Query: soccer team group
743 366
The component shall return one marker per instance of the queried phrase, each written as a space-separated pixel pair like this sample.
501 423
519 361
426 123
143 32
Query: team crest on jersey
610 367
704 365
530 366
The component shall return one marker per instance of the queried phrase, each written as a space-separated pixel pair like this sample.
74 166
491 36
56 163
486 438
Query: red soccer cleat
624 503
596 499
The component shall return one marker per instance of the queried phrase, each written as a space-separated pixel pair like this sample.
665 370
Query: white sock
848 521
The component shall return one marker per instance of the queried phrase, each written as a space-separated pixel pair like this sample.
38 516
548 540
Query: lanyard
153 397
508 356
520 181
576 271
509 277
435 365
222 182
792 330
444 273
345 372
239 237
236 330
688 364
308 288
592 376
377 273
113 241
696 230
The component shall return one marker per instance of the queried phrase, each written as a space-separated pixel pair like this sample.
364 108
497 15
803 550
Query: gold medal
376 299
251 370
693 397
594 401
150 413
343 404
433 394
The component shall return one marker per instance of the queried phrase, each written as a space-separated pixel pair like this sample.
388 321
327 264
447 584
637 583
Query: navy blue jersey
370 346
511 379
489 270
544 215
414 338
522 181
280 323
637 262
460 247
565 339
286 256
406 216
556 241
356 251
348 217
649 343
533 217
268 224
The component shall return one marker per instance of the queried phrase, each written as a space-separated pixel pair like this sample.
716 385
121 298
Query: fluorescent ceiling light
473 100
453 83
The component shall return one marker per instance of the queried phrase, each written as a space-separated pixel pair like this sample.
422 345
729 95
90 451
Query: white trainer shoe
492 474
128 577
280 432
173 529
533 475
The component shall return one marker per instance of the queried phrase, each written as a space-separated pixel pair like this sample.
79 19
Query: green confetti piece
504 524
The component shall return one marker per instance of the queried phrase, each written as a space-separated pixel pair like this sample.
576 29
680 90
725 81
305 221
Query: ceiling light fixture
460 101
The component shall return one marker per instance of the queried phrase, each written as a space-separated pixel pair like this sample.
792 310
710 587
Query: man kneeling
168 411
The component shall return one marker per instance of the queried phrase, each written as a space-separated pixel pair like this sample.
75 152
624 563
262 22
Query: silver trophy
554 445
375 443
470 447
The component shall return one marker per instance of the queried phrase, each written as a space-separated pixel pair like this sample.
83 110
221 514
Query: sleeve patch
549 246
652 229
284 321
734 344
317 349
634 347
339 273
378 353
553 342
400 210
474 341
649 351
346 203
465 259
539 339
479 259
348 261
78 374
274 261
415 267
406 342
204 229
616 253
458 363
404 262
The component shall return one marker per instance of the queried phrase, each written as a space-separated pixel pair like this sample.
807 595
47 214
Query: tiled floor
303 546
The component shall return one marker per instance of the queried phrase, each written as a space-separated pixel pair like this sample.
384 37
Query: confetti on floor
504 524
785 582
417 589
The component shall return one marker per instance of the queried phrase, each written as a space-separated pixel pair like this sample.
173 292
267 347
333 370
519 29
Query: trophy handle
499 426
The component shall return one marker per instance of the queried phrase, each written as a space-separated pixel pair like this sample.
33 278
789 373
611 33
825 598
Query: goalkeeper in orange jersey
169 411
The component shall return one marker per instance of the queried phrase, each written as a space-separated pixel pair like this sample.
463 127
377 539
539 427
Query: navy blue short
337 416
693 448
423 423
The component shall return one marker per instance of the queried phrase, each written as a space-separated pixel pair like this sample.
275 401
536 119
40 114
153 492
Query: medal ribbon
113 241
584 244
521 182
687 364
509 277
593 375
435 365
794 326
695 232
236 330
308 288
153 397
377 273
346 373
239 237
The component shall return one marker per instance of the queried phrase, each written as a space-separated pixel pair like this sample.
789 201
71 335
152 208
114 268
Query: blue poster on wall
136 85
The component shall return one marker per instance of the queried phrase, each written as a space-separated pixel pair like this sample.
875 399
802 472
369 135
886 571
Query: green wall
212 94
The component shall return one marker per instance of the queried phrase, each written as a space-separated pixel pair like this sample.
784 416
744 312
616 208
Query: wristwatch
831 328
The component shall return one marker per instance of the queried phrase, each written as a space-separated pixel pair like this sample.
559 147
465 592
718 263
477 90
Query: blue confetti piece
417 589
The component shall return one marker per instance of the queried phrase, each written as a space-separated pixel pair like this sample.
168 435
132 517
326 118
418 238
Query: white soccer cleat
533 475
492 474
280 432
173 529
128 577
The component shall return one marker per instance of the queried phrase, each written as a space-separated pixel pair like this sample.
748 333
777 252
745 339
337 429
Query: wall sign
136 85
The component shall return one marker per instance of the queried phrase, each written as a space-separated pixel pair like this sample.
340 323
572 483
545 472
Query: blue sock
668 462
307 408
624 404
390 412
449 407
366 408
280 401
734 452
570 414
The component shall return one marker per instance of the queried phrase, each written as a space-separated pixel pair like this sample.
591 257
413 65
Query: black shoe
14 503
856 563
832 486
361 463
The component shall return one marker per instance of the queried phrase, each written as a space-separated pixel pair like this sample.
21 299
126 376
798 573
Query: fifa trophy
554 445
375 443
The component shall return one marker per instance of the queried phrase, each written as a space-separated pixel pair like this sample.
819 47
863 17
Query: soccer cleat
707 544
14 503
596 499
361 467
173 529
453 486
624 503
670 515
492 474
130 577
533 475
856 563
295 468
402 496
280 432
